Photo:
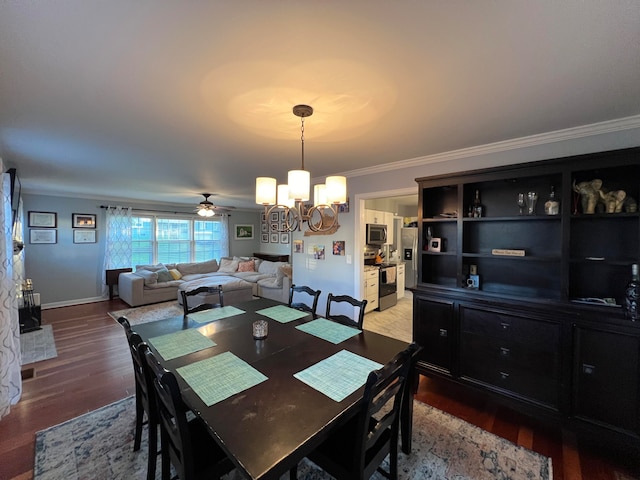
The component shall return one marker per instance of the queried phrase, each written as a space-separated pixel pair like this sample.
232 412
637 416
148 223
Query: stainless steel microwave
376 234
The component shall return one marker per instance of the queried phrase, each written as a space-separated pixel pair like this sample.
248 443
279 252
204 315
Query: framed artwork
243 232
298 246
264 227
263 217
83 220
84 236
275 216
275 238
43 220
283 216
284 237
344 207
43 236
264 238
338 247
318 252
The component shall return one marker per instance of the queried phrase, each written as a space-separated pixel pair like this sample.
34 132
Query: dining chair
145 400
203 306
357 449
303 289
187 445
344 319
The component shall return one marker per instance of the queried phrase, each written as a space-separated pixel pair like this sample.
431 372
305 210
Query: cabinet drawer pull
504 325
504 351
443 332
504 375
588 369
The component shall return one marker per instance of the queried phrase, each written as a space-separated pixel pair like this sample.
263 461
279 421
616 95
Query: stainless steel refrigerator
409 254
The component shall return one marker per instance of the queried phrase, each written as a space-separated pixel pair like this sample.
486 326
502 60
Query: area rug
99 445
149 313
37 345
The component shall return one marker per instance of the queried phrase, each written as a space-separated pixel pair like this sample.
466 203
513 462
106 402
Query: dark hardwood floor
93 369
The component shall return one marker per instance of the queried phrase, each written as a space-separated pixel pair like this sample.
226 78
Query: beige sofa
241 279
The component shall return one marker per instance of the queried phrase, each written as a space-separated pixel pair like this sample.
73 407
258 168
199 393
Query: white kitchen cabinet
374 216
400 280
388 221
371 289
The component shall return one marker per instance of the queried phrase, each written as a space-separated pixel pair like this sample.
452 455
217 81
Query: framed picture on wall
243 232
84 236
284 238
275 238
37 235
43 219
264 238
83 220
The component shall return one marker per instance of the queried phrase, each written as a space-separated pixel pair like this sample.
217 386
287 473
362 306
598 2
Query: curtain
224 236
10 380
118 245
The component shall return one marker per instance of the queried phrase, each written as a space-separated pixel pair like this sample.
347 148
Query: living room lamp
206 208
290 197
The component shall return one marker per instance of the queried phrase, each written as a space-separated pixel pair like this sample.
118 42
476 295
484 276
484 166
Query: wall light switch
349 260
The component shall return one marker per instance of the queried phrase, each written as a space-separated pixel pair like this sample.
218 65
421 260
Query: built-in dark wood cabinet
530 333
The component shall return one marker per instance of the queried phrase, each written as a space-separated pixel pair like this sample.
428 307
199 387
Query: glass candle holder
260 329
532 199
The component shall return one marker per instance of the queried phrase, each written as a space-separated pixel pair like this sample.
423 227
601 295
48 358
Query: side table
30 318
111 277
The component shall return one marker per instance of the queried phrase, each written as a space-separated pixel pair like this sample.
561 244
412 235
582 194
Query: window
174 240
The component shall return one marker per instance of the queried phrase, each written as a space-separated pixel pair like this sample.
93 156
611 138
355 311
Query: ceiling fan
208 209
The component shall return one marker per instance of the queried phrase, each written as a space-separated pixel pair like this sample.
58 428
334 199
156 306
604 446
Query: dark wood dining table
270 427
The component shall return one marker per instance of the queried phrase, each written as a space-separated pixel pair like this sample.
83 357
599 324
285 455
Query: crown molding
610 126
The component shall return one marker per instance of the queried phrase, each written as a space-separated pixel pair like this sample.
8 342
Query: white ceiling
161 100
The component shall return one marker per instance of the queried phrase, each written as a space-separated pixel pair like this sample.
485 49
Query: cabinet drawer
497 354
539 334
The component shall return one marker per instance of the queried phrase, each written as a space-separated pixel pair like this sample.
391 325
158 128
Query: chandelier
290 198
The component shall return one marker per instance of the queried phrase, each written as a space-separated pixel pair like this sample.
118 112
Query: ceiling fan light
299 182
336 189
319 194
265 191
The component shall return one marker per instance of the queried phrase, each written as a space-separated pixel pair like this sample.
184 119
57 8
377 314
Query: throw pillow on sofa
248 266
228 265
175 274
150 278
164 276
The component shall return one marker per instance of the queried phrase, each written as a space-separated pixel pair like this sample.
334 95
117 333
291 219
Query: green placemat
327 330
215 314
183 342
220 377
282 313
339 375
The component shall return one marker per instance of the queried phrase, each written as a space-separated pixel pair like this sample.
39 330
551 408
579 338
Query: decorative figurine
613 200
589 194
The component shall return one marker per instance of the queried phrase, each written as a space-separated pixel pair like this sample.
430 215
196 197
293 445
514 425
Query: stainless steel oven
387 287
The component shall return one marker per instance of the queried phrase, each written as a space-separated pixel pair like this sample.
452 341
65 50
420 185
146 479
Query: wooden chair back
358 448
344 319
303 289
203 306
172 414
145 397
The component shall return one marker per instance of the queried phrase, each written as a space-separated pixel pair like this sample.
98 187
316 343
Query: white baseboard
69 303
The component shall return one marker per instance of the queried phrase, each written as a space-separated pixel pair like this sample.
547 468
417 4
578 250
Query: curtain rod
162 211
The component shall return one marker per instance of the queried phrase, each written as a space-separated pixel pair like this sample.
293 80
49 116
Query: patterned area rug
149 313
99 445
38 345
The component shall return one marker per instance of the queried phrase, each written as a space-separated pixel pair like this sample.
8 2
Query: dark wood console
523 336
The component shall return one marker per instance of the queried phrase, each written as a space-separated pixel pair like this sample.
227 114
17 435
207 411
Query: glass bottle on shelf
476 207
632 295
552 205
